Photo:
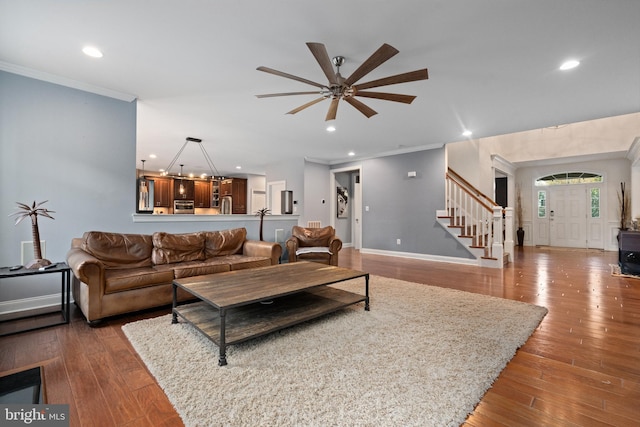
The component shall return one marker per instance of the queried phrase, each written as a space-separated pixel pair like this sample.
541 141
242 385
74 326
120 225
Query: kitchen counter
145 218
276 228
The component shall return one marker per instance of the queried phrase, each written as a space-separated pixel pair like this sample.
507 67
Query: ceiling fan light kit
339 88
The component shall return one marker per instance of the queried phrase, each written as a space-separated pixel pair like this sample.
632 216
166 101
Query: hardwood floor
580 367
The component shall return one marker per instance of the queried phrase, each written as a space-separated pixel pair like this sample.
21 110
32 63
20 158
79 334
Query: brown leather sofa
120 273
314 244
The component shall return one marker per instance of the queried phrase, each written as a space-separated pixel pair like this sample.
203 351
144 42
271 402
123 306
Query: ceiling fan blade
269 95
406 99
320 53
411 76
308 104
361 107
333 109
290 76
376 59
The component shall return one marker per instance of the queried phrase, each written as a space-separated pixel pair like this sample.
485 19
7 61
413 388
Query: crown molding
63 81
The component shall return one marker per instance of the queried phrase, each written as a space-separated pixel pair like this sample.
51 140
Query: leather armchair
314 244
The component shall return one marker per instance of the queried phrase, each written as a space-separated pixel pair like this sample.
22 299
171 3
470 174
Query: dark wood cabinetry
205 194
237 189
202 194
183 189
239 196
162 192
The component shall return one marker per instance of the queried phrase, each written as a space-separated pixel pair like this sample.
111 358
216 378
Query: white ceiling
493 68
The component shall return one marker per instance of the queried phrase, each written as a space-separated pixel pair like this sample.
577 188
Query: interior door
568 216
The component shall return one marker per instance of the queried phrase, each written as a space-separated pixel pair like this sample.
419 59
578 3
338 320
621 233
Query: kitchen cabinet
188 189
202 194
237 189
162 193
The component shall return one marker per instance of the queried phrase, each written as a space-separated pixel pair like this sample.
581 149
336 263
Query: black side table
65 284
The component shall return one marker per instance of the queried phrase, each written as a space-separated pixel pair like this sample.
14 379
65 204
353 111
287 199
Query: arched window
566 178
569 178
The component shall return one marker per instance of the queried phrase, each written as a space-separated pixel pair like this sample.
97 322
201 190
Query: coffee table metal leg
222 360
366 292
174 318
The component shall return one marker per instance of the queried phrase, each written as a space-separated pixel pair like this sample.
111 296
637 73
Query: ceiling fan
340 88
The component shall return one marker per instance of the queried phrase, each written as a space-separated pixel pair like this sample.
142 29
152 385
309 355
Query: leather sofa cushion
241 262
169 248
224 242
134 278
313 236
117 250
198 268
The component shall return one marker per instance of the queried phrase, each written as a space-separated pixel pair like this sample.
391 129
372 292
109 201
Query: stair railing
476 214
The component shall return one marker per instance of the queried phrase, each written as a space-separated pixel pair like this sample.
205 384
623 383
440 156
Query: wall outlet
398 242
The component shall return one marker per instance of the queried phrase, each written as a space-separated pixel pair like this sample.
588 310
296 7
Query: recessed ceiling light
351 153
91 51
152 156
568 65
467 133
331 128
238 167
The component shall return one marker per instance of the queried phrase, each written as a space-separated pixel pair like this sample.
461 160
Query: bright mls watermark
34 415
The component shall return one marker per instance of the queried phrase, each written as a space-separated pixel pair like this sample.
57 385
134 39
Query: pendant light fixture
181 189
212 168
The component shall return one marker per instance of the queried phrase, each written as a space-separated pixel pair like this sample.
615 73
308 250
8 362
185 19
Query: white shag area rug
423 356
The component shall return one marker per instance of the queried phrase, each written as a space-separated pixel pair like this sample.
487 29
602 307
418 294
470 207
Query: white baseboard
425 257
44 301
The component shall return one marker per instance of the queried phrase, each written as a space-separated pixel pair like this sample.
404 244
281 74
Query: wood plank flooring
581 367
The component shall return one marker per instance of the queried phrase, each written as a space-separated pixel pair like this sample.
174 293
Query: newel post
497 250
508 232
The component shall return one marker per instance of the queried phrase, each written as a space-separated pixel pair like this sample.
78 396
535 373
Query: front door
568 216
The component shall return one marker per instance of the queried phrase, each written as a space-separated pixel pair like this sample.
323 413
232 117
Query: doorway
354 227
274 196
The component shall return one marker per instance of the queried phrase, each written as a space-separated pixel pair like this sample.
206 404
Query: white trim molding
63 81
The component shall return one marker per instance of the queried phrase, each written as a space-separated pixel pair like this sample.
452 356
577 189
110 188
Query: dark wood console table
64 312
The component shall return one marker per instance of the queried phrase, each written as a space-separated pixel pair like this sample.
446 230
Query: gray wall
72 148
76 150
316 194
405 208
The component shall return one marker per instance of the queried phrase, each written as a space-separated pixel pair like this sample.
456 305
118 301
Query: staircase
476 221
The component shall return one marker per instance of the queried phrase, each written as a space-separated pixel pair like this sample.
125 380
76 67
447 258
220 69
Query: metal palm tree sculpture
33 211
261 213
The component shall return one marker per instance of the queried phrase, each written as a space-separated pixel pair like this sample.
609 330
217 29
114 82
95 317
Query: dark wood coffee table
244 304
